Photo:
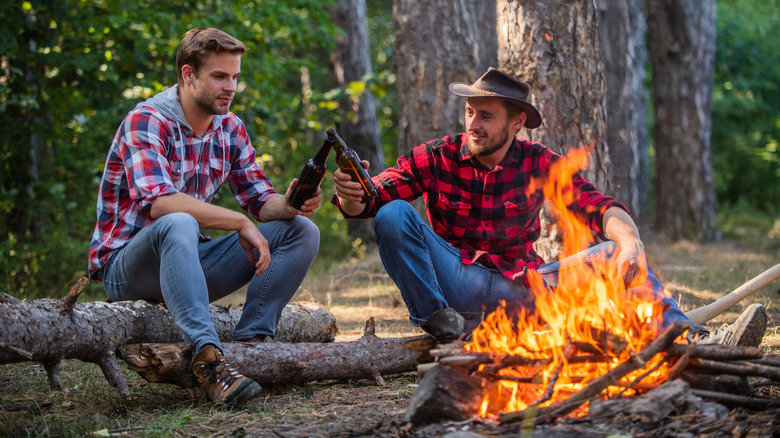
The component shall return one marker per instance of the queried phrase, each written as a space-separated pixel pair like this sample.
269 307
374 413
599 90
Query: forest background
71 69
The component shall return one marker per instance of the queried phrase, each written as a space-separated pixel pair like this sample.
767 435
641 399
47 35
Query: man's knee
177 225
305 232
394 219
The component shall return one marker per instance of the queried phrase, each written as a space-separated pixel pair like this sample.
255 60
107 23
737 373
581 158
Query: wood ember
370 357
674 396
48 330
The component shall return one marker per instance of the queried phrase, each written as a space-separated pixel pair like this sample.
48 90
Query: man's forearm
619 226
352 208
275 208
208 215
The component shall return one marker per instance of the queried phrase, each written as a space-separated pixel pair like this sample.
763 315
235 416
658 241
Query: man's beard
489 148
208 104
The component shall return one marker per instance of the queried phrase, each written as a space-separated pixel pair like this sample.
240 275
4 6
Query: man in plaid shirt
169 157
479 247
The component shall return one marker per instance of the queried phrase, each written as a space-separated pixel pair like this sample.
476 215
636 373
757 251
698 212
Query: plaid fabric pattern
152 156
486 214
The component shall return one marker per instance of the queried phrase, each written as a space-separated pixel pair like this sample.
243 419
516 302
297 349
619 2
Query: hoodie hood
167 103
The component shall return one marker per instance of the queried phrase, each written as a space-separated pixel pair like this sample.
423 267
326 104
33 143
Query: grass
354 290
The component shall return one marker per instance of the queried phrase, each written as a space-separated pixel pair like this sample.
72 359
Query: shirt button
487 198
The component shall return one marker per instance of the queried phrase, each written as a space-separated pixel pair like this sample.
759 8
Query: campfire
578 331
588 338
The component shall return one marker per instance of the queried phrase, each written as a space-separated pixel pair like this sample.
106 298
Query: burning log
48 330
596 386
370 357
714 372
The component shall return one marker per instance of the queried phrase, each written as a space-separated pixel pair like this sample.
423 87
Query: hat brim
533 118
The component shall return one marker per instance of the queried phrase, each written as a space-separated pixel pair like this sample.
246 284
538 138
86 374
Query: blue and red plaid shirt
486 214
151 156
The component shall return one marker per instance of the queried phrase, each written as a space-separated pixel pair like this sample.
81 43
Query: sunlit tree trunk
622 33
682 50
435 45
359 128
554 46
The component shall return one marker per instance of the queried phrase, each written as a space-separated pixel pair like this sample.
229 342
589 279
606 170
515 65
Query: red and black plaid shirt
487 214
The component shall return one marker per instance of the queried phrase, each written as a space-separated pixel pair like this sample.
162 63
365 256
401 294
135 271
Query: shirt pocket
215 175
182 172
454 212
519 214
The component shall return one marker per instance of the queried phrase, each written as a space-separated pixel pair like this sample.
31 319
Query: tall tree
554 46
487 37
435 44
682 51
351 63
622 33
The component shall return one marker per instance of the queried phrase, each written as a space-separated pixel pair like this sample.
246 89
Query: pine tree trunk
622 33
487 34
436 44
351 62
554 46
682 46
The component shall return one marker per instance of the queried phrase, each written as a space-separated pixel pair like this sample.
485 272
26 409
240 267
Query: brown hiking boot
219 381
258 339
747 331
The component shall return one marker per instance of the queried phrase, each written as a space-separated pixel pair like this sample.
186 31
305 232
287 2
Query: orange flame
590 306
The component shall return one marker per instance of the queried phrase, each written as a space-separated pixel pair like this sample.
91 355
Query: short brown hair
512 110
201 42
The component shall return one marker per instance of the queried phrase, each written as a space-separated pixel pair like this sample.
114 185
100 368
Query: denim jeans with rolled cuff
168 262
431 276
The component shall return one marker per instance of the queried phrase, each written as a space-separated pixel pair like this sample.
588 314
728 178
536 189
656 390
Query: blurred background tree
71 69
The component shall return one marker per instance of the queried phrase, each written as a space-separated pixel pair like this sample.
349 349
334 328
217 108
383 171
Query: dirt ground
355 291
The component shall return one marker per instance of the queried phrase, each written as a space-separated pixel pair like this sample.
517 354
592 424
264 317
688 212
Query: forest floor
355 291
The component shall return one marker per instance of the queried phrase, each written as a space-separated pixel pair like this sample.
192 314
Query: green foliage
746 105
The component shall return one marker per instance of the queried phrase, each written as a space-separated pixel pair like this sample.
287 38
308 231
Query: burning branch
596 386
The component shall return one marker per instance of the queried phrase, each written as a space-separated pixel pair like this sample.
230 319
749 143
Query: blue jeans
168 262
431 275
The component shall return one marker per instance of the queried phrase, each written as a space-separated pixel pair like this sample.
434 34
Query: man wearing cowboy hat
483 222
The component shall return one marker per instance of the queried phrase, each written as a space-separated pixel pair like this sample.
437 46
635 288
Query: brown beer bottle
311 176
349 163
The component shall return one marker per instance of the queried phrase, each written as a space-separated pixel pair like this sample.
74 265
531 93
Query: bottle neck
338 144
322 154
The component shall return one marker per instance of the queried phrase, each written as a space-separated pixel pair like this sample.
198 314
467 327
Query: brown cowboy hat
495 83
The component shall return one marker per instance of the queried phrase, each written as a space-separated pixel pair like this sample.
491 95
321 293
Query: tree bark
351 62
622 32
487 34
436 44
48 330
682 47
370 357
554 46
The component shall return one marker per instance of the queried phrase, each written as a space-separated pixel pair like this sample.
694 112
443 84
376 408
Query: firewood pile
463 386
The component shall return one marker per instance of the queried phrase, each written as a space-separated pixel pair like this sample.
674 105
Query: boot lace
220 372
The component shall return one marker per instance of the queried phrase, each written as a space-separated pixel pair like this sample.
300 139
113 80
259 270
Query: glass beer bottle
349 163
311 176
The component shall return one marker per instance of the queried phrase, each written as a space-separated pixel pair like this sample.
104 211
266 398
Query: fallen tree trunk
370 357
48 330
